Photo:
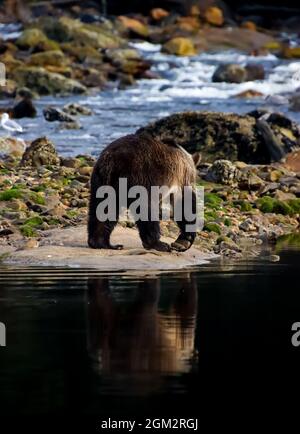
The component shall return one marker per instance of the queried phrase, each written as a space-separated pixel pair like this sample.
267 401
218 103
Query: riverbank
44 198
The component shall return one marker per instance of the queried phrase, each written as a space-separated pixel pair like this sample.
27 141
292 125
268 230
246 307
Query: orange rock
180 47
250 25
214 15
291 52
158 14
188 23
249 94
134 25
195 11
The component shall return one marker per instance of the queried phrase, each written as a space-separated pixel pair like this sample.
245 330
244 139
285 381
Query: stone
230 73
44 82
223 136
134 26
247 225
249 94
52 57
214 16
158 14
41 152
291 52
180 46
52 114
127 60
24 109
283 196
11 146
222 172
35 38
75 109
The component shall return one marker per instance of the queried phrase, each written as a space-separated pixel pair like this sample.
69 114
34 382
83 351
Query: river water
84 343
184 84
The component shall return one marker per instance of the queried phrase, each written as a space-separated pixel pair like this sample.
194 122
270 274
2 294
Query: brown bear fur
146 162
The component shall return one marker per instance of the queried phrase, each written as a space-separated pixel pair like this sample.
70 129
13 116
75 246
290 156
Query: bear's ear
197 158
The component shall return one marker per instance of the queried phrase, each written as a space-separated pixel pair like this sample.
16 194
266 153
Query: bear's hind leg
185 239
150 236
99 232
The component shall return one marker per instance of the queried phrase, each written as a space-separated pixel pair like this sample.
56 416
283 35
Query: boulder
180 46
11 146
24 109
75 109
36 39
230 73
52 57
52 114
214 16
41 152
44 82
158 14
223 172
67 29
134 26
127 60
227 136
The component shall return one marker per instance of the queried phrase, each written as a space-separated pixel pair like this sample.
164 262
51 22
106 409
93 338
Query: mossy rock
244 205
212 200
36 39
224 136
11 193
44 82
51 57
269 204
212 227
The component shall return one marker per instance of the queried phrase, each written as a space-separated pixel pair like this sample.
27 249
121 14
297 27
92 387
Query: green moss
11 193
281 207
33 222
39 188
212 200
37 198
227 222
269 204
71 213
53 221
28 231
295 205
210 215
212 227
4 171
243 205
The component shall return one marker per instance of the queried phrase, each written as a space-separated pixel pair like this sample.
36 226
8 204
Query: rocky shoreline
77 50
245 205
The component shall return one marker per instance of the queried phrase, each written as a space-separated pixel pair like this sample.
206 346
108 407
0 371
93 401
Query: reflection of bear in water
145 162
136 338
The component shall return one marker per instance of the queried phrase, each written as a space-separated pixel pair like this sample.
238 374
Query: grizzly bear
143 161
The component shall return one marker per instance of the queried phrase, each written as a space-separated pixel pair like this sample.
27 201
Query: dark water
83 344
